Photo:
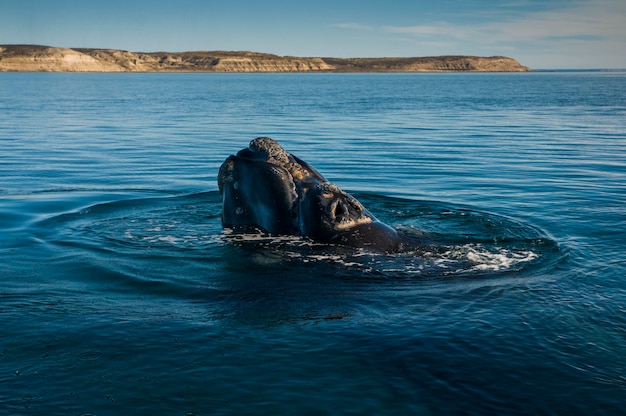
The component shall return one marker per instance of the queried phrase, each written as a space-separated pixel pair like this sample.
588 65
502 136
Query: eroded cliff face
429 64
272 64
35 58
42 59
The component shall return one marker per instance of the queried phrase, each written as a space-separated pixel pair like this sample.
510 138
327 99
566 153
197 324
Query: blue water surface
121 294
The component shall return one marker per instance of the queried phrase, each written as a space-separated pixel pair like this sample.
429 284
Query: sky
541 34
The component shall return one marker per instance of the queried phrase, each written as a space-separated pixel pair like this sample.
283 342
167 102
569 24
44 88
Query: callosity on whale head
328 214
265 188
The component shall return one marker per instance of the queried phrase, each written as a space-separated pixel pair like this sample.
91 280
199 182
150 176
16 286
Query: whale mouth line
347 224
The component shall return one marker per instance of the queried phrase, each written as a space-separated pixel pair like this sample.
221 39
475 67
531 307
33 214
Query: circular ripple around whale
452 240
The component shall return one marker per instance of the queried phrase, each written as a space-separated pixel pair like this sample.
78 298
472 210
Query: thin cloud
591 21
438 29
353 26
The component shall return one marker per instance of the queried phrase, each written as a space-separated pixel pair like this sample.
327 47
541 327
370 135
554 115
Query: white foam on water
481 258
471 258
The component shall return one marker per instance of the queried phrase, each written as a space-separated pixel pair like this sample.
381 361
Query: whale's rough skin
265 188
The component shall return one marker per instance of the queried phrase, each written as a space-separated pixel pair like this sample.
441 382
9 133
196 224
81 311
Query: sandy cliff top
35 58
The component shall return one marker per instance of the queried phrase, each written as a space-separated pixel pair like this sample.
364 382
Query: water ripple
156 236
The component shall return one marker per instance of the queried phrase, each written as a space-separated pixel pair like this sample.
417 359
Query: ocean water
120 293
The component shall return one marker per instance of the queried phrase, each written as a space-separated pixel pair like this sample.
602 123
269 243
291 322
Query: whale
266 189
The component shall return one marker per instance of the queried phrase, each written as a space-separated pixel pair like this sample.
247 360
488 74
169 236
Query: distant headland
37 58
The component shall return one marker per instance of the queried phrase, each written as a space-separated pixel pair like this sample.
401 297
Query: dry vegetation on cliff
35 58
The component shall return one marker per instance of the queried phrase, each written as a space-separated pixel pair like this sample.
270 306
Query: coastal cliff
35 58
